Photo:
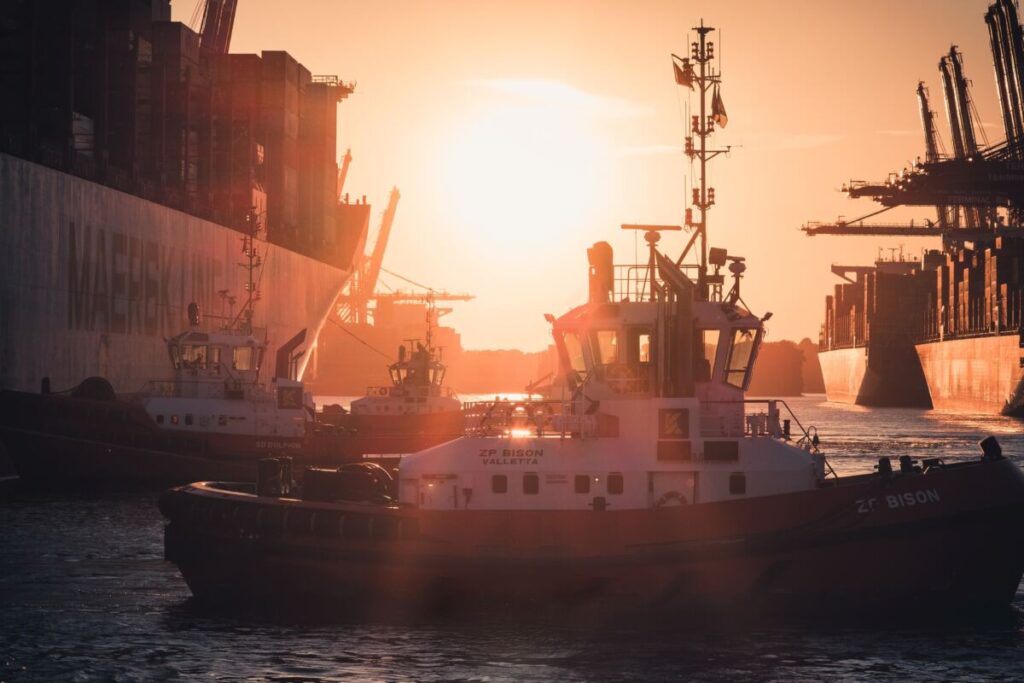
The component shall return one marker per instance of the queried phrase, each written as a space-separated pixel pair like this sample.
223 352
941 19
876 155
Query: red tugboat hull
950 538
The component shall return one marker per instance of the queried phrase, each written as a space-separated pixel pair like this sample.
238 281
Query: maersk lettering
78 279
150 306
118 300
121 284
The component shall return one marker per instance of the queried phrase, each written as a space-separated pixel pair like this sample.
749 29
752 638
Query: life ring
671 499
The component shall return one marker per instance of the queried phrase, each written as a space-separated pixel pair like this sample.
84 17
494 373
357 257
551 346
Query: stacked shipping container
112 91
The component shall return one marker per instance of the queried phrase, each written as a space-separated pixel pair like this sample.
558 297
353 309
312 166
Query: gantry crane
352 305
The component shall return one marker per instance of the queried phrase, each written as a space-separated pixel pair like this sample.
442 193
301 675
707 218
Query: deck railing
532 418
771 423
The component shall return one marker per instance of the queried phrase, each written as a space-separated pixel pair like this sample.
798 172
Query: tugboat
214 420
417 411
654 486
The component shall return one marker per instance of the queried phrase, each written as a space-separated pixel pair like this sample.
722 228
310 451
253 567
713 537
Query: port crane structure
978 190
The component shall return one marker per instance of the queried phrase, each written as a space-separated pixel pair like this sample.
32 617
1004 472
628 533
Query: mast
707 81
253 261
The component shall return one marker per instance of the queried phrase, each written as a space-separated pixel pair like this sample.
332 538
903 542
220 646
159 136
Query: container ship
136 157
943 331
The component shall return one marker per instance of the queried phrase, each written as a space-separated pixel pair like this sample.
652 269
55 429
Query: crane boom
218 24
952 113
909 230
931 143
372 272
963 101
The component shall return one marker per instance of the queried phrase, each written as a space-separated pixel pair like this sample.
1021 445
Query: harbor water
86 595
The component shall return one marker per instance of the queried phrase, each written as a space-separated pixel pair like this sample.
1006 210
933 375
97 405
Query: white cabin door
440 492
673 488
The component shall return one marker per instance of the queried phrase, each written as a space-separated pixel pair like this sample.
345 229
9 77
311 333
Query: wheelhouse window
606 347
582 483
194 355
615 485
744 342
644 350
574 349
242 358
499 483
531 484
706 361
638 347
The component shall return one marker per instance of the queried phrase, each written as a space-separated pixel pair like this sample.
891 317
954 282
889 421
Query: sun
523 175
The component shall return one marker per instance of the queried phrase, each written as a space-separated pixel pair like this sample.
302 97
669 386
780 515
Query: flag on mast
718 114
684 72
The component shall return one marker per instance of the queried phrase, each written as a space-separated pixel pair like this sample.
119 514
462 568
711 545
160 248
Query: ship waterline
97 278
979 374
972 375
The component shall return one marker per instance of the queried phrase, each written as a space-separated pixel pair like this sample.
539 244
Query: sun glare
522 174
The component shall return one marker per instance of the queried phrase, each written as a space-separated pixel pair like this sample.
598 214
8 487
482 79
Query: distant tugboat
649 487
417 411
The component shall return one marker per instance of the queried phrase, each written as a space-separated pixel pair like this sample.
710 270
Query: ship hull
880 376
912 543
94 280
843 372
976 375
57 440
71 442
406 433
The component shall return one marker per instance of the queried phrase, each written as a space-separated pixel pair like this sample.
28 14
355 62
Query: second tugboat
417 411
650 487
214 420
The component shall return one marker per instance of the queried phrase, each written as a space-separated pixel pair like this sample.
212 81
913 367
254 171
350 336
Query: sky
520 133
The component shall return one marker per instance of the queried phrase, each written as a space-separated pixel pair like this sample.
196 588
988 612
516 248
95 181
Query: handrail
771 402
811 440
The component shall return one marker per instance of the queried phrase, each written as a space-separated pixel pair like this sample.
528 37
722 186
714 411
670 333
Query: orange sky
521 132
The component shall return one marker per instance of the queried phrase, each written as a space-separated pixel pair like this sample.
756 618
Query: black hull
967 554
68 443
